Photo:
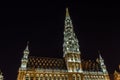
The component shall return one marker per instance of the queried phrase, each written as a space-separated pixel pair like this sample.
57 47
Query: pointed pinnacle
100 56
27 45
67 12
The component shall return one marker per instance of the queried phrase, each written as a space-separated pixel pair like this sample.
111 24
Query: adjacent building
70 67
1 76
117 74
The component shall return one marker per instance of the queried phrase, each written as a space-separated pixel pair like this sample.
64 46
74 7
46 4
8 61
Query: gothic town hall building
70 67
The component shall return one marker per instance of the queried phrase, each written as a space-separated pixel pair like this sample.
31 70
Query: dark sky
95 24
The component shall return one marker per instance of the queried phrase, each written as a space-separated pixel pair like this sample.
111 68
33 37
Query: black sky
95 24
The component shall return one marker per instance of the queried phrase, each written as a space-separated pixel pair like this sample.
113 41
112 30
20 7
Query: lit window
73 78
37 78
78 77
50 78
66 77
41 78
31 78
45 78
27 78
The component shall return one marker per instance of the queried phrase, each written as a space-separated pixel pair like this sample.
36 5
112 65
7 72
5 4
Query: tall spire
71 46
70 40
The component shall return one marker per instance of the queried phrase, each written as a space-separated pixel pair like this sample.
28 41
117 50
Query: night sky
95 24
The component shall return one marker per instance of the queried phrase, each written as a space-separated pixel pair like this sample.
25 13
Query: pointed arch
27 76
50 77
41 77
73 77
46 77
78 77
37 77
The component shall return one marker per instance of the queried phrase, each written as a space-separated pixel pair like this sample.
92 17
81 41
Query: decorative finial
99 54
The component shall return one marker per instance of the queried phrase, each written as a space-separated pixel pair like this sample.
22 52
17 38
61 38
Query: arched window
26 78
85 77
54 77
46 77
31 78
66 78
50 77
62 77
73 77
41 77
76 58
77 67
78 77
37 77
72 67
58 77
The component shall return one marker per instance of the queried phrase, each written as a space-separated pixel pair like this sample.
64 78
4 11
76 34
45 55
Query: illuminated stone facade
70 67
117 74
1 76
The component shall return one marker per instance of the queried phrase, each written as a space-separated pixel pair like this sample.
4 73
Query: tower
117 74
25 57
71 47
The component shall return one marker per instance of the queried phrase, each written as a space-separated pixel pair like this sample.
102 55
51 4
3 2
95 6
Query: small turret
25 57
103 66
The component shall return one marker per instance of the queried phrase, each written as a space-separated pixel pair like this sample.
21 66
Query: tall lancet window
78 77
74 77
27 77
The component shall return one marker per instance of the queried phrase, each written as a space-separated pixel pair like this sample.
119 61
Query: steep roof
55 63
89 65
46 63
